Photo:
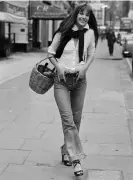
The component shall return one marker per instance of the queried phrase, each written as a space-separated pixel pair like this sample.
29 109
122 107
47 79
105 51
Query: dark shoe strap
79 173
75 162
63 152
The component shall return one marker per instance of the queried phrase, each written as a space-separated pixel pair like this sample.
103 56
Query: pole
103 14
110 16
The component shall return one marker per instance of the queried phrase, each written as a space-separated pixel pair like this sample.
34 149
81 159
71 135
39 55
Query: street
31 130
18 63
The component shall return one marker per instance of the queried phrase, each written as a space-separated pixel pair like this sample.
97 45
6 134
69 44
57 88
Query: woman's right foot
78 171
65 160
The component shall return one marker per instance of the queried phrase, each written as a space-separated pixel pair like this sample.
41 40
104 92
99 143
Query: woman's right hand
61 72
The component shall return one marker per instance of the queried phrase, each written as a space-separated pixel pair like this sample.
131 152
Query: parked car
127 43
123 35
128 48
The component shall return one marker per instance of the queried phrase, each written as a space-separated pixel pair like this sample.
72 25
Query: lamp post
103 14
109 15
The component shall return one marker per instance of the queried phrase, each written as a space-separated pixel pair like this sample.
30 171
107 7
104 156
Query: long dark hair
69 22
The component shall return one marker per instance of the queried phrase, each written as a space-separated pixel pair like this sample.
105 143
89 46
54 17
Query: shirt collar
75 27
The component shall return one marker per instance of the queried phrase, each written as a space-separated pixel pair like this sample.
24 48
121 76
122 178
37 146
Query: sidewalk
31 133
104 54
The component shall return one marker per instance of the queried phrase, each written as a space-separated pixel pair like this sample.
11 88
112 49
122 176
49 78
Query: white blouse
70 58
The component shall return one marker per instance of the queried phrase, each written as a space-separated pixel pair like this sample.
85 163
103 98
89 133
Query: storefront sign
42 8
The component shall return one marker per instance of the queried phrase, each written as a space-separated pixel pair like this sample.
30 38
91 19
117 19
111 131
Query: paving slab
3 166
45 144
108 149
19 172
13 92
128 176
41 112
126 85
116 149
129 99
105 119
102 162
46 158
104 128
107 175
67 174
104 107
103 138
11 143
21 133
13 156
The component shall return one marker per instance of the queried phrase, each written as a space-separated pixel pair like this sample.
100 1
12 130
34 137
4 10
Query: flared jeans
69 97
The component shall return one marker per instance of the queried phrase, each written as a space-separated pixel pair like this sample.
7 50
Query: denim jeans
69 97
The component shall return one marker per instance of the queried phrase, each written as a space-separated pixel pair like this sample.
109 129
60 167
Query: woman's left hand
81 71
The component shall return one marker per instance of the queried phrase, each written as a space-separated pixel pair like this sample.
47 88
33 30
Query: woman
71 52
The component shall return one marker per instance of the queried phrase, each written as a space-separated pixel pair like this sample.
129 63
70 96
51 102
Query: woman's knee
77 116
67 119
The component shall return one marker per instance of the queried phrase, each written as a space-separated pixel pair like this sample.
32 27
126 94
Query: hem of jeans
78 156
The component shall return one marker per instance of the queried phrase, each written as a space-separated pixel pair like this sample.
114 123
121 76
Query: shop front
45 18
13 27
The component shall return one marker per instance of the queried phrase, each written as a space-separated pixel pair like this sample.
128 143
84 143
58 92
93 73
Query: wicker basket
38 82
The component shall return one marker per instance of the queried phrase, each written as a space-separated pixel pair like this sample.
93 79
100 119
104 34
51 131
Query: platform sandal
65 159
75 163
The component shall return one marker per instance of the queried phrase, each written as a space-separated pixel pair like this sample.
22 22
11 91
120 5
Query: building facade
14 23
45 20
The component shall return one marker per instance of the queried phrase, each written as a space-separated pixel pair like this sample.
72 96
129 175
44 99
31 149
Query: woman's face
82 18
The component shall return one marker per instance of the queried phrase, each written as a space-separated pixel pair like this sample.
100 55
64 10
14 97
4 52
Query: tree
126 6
71 6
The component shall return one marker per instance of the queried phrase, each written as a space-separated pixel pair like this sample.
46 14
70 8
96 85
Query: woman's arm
53 60
81 70
90 52
52 49
51 52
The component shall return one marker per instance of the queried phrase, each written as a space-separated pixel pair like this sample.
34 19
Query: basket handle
43 60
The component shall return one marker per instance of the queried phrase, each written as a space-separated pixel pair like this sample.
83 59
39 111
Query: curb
129 64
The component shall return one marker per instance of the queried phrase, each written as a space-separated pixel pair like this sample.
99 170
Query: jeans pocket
82 79
58 82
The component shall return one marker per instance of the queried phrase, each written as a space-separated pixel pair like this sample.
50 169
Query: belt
71 74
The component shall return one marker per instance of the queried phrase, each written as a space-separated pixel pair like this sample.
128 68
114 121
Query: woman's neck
79 27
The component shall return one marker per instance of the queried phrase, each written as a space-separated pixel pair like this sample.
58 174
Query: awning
38 10
7 17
